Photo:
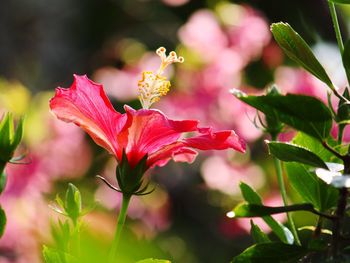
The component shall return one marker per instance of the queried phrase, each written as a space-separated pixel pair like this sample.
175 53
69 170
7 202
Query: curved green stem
120 226
336 26
278 166
282 187
340 133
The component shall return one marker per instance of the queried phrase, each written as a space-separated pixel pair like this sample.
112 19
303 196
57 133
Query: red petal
150 131
216 141
176 151
86 105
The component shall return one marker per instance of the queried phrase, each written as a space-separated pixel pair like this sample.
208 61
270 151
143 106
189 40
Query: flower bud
72 205
9 139
273 125
130 178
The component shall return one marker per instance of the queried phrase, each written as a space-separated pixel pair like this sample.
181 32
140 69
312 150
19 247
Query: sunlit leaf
258 235
293 153
72 203
252 210
304 113
275 252
340 1
304 180
298 50
313 228
152 260
52 255
283 233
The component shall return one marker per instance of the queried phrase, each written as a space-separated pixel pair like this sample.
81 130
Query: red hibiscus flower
137 132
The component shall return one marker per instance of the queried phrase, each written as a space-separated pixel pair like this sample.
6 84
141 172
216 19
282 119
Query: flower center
153 86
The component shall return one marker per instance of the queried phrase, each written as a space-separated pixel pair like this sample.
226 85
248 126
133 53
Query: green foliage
52 255
3 180
2 221
275 252
72 205
340 1
66 234
343 113
281 231
304 181
298 50
293 153
253 210
304 113
346 58
9 138
152 260
273 125
73 202
258 235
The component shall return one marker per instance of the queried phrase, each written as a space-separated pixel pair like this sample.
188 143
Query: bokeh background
226 44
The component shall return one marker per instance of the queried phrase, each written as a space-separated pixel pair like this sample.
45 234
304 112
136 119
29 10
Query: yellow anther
152 86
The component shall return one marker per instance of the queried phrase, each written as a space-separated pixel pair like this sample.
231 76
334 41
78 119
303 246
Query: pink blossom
221 175
207 44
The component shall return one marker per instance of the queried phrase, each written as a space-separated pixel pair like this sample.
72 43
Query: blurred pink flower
23 221
175 2
208 45
250 35
121 84
219 174
298 81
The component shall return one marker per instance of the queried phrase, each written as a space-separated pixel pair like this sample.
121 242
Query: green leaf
275 252
340 1
293 153
3 180
304 113
249 194
258 235
6 133
73 202
9 138
282 232
343 112
305 182
18 134
2 221
298 50
152 260
52 255
252 210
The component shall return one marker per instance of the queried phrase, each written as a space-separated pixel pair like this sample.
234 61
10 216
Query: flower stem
337 225
120 226
278 166
282 187
336 26
340 133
